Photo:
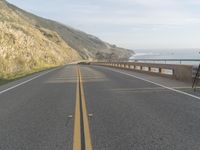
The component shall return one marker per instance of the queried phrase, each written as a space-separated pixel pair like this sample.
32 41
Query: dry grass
25 49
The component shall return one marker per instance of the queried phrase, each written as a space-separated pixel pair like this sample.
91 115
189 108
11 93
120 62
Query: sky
133 24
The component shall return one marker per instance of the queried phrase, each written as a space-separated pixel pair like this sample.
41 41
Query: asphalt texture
126 113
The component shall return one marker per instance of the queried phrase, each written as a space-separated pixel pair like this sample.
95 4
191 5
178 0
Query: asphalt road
126 113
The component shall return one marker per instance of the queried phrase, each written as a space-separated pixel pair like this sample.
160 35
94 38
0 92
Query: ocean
169 54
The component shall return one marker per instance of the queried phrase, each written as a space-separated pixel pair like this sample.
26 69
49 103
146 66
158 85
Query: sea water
169 54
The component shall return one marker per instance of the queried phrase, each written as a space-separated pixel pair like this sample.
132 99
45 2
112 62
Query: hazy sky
135 24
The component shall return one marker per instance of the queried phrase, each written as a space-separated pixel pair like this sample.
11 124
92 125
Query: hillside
25 49
88 46
29 43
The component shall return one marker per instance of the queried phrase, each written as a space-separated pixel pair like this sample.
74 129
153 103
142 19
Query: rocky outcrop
29 43
24 48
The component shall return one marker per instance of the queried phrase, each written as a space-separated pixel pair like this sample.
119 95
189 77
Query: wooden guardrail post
160 70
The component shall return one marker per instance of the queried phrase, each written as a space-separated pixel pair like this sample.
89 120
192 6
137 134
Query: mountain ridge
29 42
88 46
25 49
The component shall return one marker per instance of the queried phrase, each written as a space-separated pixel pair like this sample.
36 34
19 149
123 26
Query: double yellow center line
81 139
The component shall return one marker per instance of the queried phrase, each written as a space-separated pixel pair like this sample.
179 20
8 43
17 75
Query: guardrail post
160 70
176 71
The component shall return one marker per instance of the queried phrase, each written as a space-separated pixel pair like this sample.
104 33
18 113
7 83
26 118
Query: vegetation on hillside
25 49
29 43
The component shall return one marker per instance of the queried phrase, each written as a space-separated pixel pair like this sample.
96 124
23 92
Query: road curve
124 112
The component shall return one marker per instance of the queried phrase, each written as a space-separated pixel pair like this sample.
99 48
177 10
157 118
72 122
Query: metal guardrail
176 71
166 61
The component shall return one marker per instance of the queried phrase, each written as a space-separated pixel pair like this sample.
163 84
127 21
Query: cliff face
29 43
24 48
88 46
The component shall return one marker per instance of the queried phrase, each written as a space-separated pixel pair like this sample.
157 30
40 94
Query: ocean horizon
169 54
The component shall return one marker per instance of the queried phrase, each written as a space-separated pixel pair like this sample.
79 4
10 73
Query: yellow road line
77 125
88 144
81 115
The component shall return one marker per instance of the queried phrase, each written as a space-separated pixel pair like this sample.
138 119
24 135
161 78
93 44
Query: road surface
96 108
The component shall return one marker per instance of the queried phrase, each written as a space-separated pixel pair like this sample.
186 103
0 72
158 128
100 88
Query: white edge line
24 82
166 87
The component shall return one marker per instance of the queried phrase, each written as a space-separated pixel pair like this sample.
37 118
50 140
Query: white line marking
1 92
70 116
90 115
169 88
